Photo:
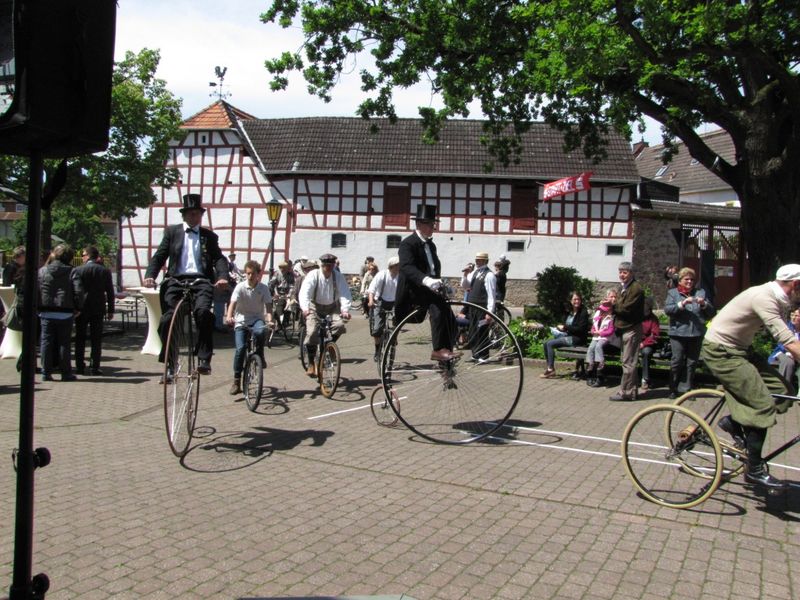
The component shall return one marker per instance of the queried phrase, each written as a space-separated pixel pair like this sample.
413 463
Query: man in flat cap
193 253
481 287
324 292
748 379
419 282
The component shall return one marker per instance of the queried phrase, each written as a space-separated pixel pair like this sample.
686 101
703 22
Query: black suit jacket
98 288
413 269
213 264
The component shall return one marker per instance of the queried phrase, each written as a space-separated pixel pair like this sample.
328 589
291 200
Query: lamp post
274 210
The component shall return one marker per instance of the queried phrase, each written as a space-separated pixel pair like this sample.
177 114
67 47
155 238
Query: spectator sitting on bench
602 333
572 332
650 332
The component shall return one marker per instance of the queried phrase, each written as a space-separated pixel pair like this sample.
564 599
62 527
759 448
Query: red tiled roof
683 172
219 115
345 145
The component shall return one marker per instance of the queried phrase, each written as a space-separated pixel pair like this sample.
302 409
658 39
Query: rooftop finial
219 72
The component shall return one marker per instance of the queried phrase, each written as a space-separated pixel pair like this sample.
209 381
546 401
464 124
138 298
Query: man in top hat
324 292
193 253
481 287
748 379
420 280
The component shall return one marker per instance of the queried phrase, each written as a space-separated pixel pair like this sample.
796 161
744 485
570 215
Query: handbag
13 318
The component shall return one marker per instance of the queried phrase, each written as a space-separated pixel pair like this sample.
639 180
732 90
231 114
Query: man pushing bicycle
749 380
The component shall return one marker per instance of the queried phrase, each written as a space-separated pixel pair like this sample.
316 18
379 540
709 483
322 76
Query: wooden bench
578 353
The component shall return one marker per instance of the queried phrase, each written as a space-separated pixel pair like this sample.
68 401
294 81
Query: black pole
272 250
22 586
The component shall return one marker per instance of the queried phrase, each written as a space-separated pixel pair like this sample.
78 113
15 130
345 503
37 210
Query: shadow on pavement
217 452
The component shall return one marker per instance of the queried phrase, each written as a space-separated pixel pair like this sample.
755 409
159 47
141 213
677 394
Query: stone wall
654 247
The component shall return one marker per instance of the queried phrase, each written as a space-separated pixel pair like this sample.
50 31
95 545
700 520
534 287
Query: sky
195 36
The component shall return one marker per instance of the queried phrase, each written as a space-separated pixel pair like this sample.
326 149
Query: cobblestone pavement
310 497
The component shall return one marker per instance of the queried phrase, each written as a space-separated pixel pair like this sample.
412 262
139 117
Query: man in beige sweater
748 379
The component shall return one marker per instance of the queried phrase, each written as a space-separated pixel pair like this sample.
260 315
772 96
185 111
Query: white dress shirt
316 288
190 256
384 286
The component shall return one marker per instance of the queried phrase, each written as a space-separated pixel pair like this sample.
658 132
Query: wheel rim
461 401
328 370
710 406
659 470
182 392
253 382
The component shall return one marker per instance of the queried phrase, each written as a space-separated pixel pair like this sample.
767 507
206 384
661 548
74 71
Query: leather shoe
759 475
235 388
47 378
80 370
167 379
620 397
204 366
444 355
95 371
69 377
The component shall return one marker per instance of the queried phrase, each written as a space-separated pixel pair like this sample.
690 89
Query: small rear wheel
384 411
681 473
328 369
253 381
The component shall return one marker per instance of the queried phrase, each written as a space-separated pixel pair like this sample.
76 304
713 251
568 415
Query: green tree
145 116
554 286
586 66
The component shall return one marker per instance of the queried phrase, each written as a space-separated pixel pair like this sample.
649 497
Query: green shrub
763 344
554 286
530 337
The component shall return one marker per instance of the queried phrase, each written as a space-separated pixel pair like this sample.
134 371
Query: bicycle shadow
218 452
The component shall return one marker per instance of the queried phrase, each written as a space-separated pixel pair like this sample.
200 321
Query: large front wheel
181 380
328 369
672 456
457 401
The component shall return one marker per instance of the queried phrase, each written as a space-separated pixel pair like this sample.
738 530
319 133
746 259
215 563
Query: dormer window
661 171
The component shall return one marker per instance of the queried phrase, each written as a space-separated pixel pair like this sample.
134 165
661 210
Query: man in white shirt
381 296
481 286
250 302
324 292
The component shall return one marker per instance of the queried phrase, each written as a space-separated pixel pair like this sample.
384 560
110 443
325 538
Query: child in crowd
650 332
602 333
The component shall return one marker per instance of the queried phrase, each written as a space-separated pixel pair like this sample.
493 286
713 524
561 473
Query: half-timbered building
350 190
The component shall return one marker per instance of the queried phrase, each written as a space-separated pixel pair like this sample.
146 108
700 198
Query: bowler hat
191 201
426 212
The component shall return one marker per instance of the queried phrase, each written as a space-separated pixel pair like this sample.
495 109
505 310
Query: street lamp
274 210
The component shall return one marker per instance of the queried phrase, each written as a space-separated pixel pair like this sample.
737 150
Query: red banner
568 185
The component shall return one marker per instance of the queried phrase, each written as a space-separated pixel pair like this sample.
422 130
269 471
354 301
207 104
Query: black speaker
56 70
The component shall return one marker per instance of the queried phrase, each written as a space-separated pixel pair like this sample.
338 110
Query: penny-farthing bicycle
458 401
181 378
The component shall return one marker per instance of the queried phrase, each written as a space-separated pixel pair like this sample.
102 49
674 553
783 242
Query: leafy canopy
145 116
585 66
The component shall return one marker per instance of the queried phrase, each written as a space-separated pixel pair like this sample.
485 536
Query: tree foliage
145 116
586 66
554 287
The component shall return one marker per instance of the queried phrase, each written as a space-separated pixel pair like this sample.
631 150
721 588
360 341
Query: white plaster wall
455 250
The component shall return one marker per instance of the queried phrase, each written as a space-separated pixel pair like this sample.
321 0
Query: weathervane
219 92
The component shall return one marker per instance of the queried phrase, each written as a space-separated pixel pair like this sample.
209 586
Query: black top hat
426 212
192 201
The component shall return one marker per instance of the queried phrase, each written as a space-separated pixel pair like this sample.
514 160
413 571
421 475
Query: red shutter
523 207
396 206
